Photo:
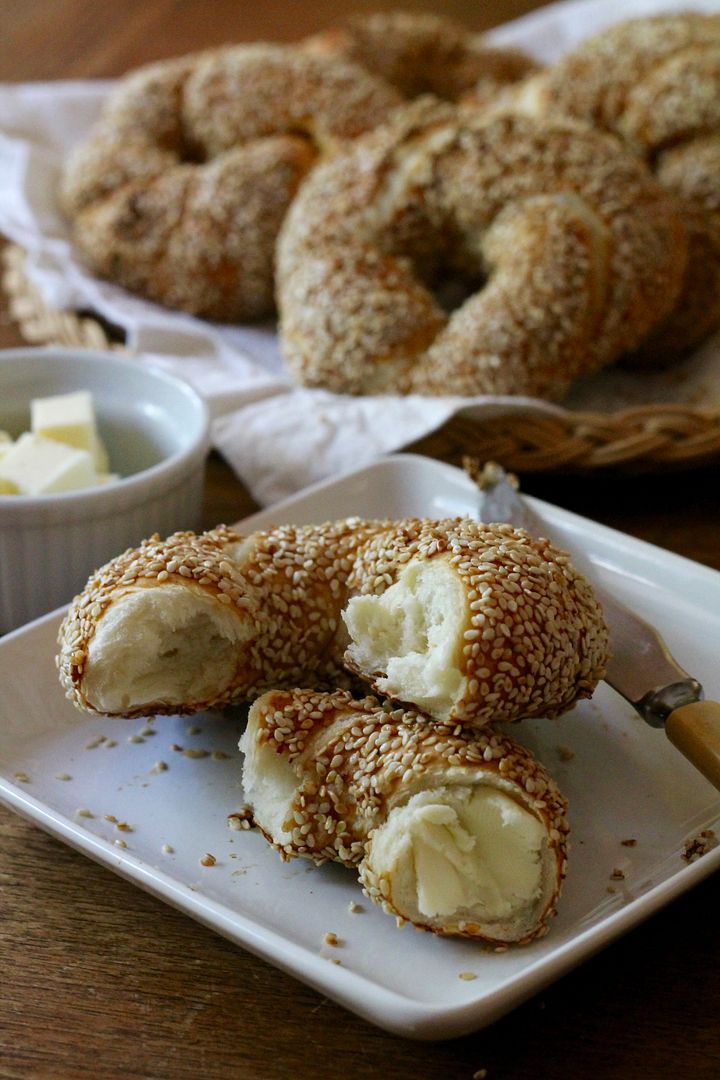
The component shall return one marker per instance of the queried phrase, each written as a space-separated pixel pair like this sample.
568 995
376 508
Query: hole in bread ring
581 250
182 186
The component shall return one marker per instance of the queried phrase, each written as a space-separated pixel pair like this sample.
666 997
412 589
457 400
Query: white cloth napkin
278 437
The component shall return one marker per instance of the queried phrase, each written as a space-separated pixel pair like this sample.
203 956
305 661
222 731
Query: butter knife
641 669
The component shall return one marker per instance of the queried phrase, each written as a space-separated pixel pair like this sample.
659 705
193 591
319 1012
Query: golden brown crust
356 760
535 642
582 253
655 83
289 582
419 53
181 188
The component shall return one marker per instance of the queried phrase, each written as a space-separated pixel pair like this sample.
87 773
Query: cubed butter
70 418
36 465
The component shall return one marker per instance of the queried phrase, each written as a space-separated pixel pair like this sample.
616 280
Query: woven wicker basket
650 437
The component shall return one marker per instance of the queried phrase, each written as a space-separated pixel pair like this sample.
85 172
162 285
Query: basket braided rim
642 437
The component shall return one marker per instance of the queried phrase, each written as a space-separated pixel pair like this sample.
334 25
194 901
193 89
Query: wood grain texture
101 981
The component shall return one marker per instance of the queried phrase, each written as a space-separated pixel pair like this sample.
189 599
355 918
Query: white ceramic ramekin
156 430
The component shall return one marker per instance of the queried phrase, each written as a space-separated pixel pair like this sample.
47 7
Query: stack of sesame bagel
344 180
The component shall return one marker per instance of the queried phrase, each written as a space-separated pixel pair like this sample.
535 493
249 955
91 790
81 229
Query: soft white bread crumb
269 782
469 854
175 645
411 636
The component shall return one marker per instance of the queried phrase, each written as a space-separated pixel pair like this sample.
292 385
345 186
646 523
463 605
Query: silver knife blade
641 668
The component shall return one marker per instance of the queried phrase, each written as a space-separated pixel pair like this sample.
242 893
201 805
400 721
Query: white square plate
624 781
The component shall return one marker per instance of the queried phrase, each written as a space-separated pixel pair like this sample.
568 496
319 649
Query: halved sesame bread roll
470 623
198 622
457 831
474 623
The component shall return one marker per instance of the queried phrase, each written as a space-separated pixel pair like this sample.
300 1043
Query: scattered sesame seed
84 813
208 860
63 776
22 777
109 817
168 849
196 753
122 826
158 767
331 938
241 818
135 739
699 845
120 843
468 976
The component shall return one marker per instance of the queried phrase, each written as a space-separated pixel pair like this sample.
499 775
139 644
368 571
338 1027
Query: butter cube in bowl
97 452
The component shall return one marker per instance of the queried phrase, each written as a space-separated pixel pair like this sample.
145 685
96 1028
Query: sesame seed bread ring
577 250
655 83
420 53
458 832
180 190
472 623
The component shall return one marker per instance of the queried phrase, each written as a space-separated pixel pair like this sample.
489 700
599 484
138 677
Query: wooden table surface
99 980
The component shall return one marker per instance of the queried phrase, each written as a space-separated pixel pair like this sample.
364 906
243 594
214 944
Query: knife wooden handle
695 731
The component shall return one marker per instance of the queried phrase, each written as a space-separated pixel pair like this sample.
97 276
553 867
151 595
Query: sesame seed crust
357 760
533 644
180 190
290 583
655 83
534 641
419 53
580 250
